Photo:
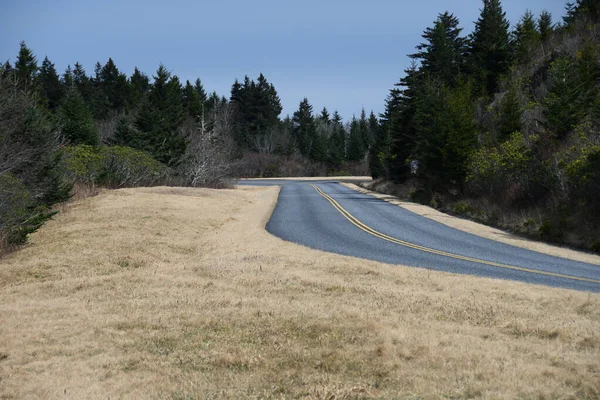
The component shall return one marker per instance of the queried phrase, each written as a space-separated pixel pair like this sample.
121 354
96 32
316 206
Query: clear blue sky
343 54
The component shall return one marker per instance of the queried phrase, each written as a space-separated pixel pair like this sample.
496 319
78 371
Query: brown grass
181 294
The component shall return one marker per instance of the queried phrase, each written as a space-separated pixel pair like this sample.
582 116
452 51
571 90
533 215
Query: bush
584 176
113 167
510 173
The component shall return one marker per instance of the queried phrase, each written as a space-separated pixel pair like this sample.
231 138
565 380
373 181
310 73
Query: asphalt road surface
328 216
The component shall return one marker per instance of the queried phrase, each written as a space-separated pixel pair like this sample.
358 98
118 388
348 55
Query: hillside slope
180 293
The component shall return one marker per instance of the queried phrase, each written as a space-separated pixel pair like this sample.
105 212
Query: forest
499 125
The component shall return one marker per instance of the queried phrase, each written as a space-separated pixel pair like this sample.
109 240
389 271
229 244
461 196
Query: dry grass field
175 293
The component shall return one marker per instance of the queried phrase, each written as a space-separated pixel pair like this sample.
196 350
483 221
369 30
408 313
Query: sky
342 54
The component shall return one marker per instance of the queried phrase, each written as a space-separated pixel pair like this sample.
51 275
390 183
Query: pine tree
192 102
112 87
443 53
379 153
509 114
139 84
356 150
160 117
399 123
77 122
460 138
337 142
25 67
6 70
430 128
365 133
50 86
545 26
490 50
304 131
67 78
525 36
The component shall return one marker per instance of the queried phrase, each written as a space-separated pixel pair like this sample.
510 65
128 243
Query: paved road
328 216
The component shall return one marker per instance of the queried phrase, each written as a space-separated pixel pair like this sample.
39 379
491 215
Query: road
328 216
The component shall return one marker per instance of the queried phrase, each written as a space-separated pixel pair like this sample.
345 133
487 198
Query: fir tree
304 127
443 53
192 102
77 122
337 142
545 26
525 36
139 84
365 133
50 86
379 152
67 78
356 150
509 114
160 117
26 67
399 123
489 50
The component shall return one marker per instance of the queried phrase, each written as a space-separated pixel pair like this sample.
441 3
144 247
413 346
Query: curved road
328 216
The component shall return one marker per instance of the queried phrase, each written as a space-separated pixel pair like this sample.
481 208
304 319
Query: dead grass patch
176 293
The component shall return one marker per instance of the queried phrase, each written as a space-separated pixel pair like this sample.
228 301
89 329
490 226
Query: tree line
510 115
62 130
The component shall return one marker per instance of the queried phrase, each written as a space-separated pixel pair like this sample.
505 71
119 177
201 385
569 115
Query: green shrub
461 208
550 231
115 166
509 173
583 175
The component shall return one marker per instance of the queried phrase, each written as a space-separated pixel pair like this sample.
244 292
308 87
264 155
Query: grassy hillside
181 294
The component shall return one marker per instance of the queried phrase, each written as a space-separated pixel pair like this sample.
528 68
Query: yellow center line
383 236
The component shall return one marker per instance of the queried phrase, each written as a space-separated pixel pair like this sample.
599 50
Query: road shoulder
480 229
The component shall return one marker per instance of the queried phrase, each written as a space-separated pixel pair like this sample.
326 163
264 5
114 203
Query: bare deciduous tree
207 160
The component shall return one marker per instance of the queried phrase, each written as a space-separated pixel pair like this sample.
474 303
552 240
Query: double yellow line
383 236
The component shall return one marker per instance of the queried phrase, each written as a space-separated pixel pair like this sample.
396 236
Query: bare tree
207 161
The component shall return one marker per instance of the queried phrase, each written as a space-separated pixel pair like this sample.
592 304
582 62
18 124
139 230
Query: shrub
115 166
509 173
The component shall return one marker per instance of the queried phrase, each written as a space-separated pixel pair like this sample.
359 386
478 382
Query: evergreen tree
443 53
6 69
525 36
50 86
67 78
304 128
160 117
139 84
400 125
545 26
356 150
379 153
509 114
489 50
77 122
365 133
26 67
192 102
112 89
337 142
461 132
430 128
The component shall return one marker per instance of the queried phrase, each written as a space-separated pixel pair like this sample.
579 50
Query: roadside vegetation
502 124
69 134
180 293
